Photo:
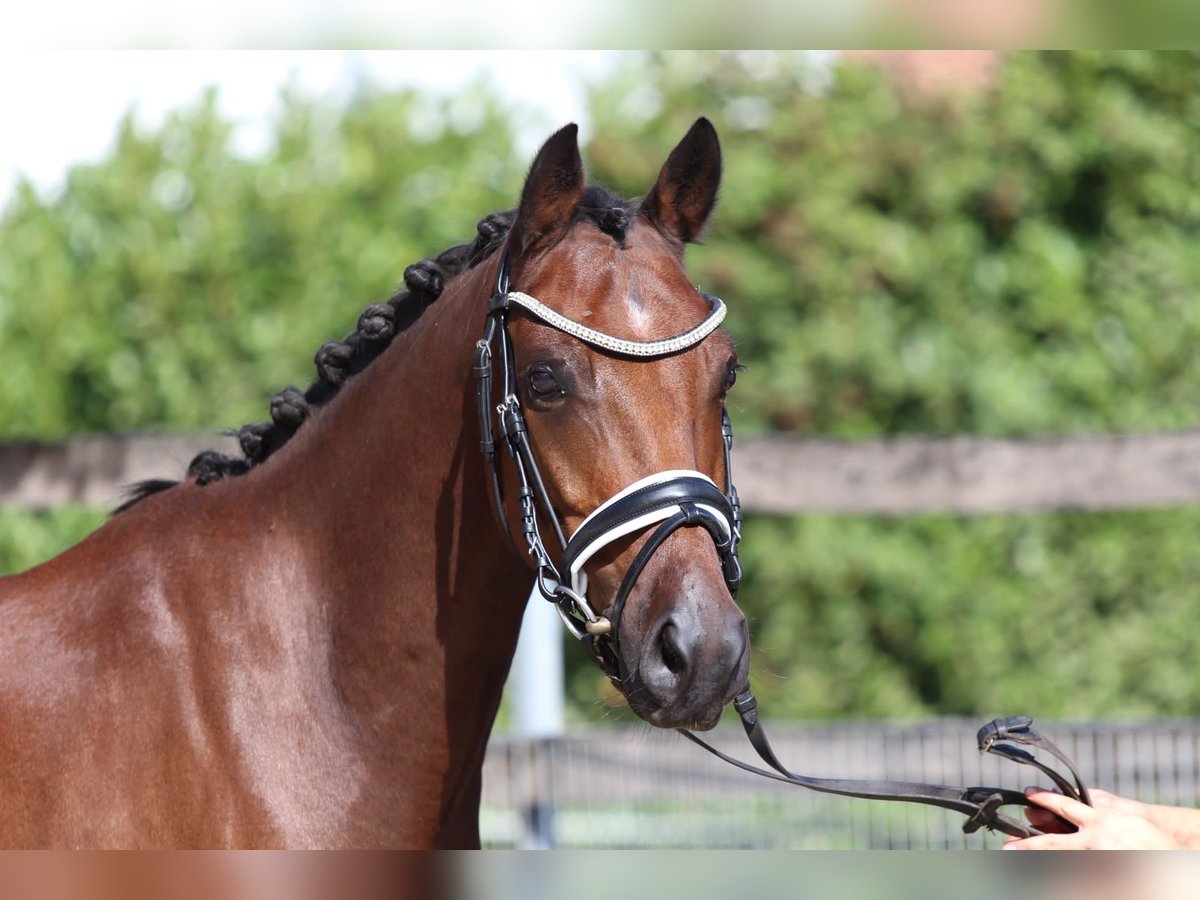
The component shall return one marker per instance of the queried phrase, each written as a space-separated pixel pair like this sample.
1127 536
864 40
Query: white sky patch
62 107
478 24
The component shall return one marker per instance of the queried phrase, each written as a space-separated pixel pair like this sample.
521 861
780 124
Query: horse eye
731 378
542 382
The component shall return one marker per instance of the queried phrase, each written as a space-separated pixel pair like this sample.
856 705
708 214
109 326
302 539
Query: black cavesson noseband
680 499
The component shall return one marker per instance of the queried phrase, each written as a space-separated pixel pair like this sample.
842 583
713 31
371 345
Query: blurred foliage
1068 615
28 538
1023 261
1020 261
177 285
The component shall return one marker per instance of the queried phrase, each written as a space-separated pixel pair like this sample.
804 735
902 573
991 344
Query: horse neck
424 594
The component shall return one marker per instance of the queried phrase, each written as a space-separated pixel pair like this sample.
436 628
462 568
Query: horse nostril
674 657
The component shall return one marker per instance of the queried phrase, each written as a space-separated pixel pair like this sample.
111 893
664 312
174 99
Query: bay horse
306 647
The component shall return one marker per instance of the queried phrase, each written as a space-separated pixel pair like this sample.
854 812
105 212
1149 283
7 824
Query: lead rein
981 805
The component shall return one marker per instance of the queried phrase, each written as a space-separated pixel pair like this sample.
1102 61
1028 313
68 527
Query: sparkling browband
620 345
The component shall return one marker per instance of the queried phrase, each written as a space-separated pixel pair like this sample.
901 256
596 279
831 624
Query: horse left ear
552 190
686 190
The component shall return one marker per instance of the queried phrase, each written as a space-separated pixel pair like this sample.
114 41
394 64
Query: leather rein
679 499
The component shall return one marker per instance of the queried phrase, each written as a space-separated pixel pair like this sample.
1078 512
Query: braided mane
336 361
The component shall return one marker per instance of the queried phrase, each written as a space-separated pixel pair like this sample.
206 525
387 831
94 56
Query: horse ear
552 190
686 190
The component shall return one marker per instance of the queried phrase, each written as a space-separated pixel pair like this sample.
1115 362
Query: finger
1044 820
1071 810
1043 842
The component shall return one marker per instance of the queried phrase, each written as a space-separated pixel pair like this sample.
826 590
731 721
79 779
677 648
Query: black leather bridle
668 500
680 499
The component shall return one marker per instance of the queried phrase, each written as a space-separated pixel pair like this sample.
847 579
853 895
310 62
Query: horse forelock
606 211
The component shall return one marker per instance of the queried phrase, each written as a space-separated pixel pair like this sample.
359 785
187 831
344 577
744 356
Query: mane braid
336 361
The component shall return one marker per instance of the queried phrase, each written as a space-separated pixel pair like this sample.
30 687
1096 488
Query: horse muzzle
684 647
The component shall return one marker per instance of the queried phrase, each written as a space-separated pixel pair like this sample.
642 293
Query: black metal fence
632 786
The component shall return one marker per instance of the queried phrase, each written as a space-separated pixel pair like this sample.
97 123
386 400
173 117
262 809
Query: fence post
537 679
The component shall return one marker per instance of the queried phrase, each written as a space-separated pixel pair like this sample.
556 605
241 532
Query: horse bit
677 499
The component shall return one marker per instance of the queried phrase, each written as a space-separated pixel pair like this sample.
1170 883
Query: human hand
1114 823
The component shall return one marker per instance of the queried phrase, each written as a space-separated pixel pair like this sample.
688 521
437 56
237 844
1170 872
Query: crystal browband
604 341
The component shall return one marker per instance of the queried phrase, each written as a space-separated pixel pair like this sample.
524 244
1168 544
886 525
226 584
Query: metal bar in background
778 474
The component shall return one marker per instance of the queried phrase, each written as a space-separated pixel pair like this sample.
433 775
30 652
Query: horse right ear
552 190
686 189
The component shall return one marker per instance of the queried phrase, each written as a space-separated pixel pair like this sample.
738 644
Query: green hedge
1069 615
28 538
1023 261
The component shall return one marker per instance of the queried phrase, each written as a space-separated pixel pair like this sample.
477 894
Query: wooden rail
93 470
780 474
969 475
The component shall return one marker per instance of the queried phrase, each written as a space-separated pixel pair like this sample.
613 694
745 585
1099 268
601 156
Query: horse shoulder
105 691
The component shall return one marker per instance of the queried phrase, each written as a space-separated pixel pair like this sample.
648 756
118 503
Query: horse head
620 376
